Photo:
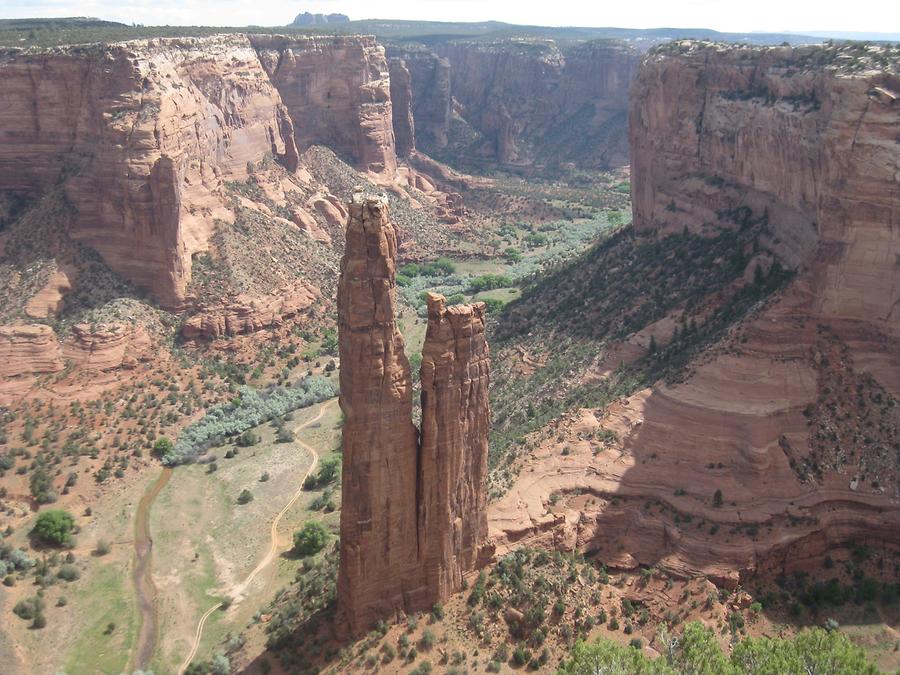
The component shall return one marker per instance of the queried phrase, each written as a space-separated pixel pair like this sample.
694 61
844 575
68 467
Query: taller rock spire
413 517
378 514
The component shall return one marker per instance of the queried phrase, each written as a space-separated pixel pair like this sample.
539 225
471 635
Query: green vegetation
439 268
487 282
54 527
250 408
310 539
329 471
696 651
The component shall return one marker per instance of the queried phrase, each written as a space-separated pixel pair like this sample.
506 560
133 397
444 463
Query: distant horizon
824 34
766 16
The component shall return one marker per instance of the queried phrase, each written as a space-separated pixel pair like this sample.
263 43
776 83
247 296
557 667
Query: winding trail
238 590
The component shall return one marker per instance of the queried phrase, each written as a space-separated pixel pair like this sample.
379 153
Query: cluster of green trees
55 527
250 408
488 282
697 651
441 267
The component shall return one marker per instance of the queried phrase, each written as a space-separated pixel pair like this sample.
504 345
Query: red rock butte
413 520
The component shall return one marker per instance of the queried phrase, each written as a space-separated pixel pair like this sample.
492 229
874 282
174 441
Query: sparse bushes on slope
696 651
250 408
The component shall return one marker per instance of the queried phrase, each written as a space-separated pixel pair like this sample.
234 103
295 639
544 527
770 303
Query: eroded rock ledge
413 520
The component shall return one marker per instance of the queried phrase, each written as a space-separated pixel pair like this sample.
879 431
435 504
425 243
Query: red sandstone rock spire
378 515
454 445
413 517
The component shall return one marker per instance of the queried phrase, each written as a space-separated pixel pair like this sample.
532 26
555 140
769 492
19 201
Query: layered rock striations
413 521
537 102
792 416
789 134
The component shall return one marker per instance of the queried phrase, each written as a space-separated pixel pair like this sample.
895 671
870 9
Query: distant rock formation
401 102
310 19
430 93
337 91
526 102
413 517
143 135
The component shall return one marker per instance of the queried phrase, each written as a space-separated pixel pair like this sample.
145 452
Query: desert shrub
245 497
310 539
162 447
54 527
41 485
251 408
247 439
68 573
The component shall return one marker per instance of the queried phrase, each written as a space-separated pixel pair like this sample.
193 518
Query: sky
723 15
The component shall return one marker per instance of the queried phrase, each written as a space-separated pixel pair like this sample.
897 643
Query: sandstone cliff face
413 518
536 102
144 135
810 146
773 416
431 100
337 90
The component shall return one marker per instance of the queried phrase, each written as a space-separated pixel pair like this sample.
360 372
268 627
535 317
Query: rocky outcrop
337 91
31 349
249 314
49 300
413 519
401 103
536 102
108 346
453 460
431 100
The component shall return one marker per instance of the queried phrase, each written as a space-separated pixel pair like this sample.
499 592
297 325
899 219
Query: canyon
707 393
794 150
413 521
521 103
